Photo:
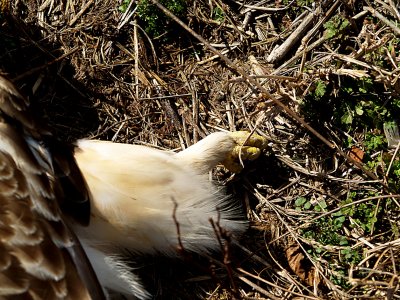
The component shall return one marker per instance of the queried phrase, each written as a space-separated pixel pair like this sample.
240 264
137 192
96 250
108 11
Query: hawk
113 197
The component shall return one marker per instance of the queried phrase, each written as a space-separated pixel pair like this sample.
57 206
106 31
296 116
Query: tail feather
114 274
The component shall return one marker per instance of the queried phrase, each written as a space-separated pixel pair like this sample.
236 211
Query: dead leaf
356 153
301 266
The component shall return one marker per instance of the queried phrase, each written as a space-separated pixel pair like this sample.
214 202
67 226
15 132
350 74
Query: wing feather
40 258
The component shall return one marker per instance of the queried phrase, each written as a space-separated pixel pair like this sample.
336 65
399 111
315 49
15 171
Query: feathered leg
223 147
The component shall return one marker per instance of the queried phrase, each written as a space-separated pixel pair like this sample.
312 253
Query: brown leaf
301 266
356 153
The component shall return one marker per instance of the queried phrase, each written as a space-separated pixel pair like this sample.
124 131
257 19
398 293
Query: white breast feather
134 190
135 187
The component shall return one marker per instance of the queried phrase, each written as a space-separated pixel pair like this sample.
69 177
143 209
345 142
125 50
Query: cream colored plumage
134 190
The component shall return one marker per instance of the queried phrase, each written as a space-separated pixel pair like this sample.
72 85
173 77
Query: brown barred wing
40 258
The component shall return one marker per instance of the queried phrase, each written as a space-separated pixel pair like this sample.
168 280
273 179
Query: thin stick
37 69
254 82
242 72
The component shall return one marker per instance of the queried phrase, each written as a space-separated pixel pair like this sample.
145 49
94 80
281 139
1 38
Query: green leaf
300 201
347 118
307 205
359 110
337 214
320 89
323 204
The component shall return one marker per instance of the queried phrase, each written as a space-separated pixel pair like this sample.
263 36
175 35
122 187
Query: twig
258 288
37 69
241 71
181 249
279 52
167 96
375 13
222 234
81 12
274 285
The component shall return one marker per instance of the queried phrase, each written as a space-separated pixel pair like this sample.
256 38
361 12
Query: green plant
362 105
326 230
124 5
340 279
334 245
218 14
335 26
374 142
329 229
320 89
154 21
302 203
363 215
394 171
350 255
